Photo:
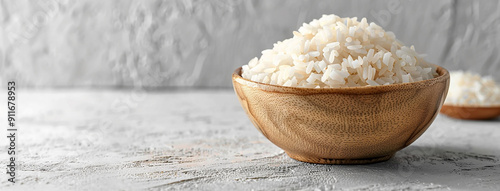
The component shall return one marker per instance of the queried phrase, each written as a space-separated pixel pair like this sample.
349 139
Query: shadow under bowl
353 125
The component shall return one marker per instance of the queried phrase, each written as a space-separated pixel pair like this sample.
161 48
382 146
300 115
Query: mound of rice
338 52
469 89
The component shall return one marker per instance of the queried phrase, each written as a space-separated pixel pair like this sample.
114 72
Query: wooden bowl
355 125
471 112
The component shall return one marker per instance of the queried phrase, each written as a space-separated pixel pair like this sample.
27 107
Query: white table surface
202 140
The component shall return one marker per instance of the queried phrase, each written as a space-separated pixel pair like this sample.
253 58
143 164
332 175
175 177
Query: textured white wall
172 43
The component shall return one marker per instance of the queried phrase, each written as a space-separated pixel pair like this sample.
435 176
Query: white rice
469 89
339 52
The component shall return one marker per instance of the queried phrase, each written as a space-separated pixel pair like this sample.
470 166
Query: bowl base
337 161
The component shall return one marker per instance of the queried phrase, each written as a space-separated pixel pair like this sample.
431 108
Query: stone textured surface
202 140
158 43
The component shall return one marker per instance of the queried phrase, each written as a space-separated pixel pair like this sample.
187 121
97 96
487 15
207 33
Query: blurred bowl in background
471 112
355 125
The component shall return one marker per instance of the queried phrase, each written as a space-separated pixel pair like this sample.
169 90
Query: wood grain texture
470 112
342 125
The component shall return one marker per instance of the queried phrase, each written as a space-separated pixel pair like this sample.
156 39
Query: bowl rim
443 76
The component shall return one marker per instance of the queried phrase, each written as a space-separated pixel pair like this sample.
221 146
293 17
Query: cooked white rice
339 52
469 89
